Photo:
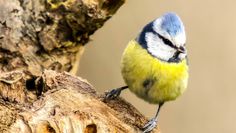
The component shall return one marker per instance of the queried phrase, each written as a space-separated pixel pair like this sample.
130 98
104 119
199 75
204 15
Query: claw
112 94
150 125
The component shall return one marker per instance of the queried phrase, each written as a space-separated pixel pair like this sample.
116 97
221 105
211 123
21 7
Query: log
66 103
41 42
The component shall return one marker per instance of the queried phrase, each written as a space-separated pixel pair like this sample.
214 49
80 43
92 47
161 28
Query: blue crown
172 24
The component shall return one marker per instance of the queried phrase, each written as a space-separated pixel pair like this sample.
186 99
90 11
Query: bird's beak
181 49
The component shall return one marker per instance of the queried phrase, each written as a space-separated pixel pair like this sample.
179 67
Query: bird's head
164 38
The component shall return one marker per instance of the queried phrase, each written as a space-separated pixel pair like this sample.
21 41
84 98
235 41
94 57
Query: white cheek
157 48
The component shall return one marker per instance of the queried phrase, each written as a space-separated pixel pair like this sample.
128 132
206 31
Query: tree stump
41 42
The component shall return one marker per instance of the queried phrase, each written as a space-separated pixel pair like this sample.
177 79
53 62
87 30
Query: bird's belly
151 79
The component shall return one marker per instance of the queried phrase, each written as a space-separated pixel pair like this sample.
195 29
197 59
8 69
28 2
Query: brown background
209 104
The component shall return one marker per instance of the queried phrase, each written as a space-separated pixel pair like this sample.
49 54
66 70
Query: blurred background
209 104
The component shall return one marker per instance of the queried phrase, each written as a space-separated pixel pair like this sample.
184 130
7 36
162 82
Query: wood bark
40 41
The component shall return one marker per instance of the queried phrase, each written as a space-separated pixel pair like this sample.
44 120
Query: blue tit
154 65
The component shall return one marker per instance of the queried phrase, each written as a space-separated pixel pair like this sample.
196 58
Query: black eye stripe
149 28
166 41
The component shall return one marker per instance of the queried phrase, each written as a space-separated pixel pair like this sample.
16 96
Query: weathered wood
49 34
39 40
70 104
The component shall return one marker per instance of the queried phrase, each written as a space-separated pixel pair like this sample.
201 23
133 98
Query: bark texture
70 104
49 34
39 40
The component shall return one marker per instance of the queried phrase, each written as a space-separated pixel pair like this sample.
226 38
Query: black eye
182 48
166 41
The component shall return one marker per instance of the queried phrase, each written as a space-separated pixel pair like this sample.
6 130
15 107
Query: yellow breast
150 78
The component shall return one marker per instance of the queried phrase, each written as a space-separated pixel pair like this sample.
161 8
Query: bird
154 65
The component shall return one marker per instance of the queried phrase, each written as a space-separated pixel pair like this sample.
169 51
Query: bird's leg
153 122
114 93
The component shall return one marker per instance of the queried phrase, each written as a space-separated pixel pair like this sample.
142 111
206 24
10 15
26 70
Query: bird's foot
112 94
150 125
